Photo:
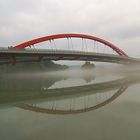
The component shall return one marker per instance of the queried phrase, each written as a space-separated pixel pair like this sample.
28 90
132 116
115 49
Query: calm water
75 104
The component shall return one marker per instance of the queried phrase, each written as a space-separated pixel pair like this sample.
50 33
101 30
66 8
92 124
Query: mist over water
70 103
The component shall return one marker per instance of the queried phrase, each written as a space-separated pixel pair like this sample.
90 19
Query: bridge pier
13 59
40 58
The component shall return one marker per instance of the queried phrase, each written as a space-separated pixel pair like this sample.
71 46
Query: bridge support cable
51 45
92 46
54 44
68 43
112 51
108 50
95 47
104 48
52 106
86 45
72 46
86 101
73 102
33 46
71 105
82 44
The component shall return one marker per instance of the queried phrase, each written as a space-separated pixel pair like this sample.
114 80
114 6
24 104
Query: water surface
72 104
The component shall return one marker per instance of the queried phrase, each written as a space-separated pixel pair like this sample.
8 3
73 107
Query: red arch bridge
66 47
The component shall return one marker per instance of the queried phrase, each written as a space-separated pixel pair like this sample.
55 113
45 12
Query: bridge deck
20 54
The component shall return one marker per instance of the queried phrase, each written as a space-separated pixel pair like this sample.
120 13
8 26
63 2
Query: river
73 104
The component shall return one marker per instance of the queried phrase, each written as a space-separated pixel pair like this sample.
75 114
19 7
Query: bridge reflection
104 100
30 94
89 92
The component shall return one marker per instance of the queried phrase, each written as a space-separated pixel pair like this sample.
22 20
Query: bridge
78 47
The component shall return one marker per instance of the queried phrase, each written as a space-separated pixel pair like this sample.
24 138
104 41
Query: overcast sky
117 21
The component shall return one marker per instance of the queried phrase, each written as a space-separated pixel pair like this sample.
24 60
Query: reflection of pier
81 91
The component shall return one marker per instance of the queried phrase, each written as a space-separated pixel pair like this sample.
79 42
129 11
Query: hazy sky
117 21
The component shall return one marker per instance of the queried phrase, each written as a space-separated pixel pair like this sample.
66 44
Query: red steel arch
57 36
